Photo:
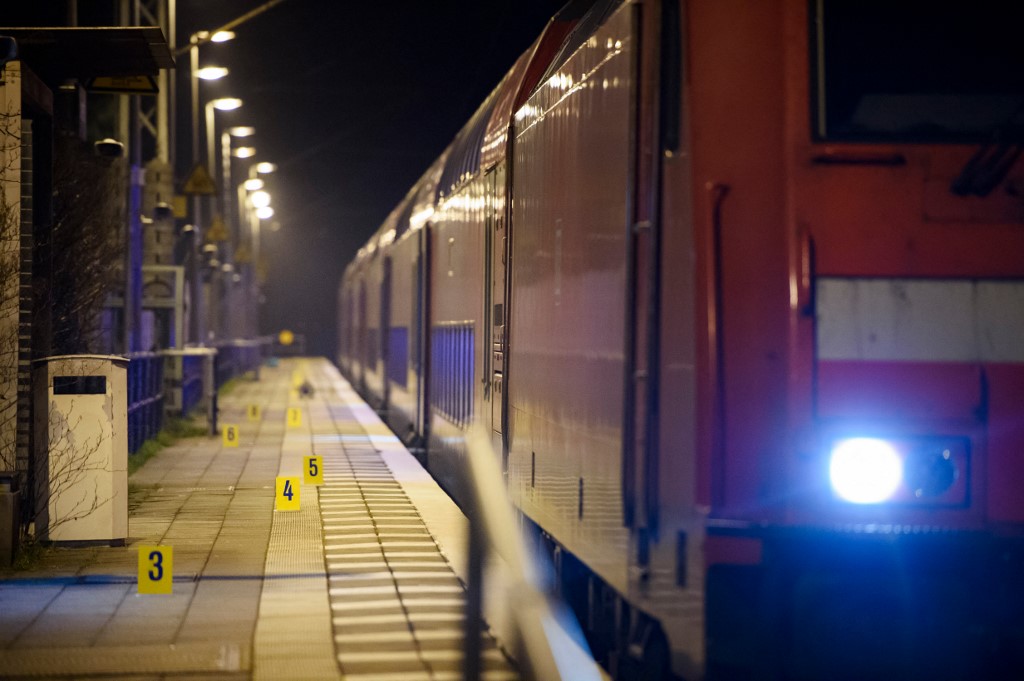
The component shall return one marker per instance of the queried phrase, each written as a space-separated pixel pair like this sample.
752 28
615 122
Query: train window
917 70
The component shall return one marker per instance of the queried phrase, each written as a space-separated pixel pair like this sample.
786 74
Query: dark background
352 101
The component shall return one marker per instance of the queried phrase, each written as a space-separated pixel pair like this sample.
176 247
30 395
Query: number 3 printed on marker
156 569
157 572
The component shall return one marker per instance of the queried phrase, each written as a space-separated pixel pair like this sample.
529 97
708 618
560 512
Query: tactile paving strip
182 658
397 605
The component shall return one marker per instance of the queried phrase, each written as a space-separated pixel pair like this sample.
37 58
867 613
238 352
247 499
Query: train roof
587 16
526 73
481 143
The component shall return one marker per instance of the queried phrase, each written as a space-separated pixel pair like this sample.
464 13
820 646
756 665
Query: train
737 288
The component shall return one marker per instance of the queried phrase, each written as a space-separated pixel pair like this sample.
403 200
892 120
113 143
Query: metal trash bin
9 517
81 428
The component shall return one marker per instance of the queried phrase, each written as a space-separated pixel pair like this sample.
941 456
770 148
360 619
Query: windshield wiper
989 165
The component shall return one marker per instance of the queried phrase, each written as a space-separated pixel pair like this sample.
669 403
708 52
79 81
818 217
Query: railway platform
364 582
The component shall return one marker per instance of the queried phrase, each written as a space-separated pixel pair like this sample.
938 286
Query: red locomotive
738 288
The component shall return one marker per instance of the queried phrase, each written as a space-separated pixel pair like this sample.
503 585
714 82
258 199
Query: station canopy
59 53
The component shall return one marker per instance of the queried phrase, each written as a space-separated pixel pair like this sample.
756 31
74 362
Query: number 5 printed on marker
314 471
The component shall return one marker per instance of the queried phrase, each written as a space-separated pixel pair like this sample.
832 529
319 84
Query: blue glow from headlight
865 470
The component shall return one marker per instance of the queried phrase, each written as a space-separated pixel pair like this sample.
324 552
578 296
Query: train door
385 332
361 337
494 301
417 336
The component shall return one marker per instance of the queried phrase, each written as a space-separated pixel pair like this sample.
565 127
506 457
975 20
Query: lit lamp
211 73
207 73
219 104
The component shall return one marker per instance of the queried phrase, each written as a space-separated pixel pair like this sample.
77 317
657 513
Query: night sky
352 101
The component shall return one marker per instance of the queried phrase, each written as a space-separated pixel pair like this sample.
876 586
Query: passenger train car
738 289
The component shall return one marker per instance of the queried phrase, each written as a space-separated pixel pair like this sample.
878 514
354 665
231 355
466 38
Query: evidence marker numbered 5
313 469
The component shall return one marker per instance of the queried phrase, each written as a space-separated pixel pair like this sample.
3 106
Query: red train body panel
739 289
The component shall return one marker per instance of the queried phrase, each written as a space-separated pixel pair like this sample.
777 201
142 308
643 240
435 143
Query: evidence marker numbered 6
230 434
156 568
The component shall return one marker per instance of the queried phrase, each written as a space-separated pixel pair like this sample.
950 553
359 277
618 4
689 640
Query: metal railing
238 357
177 381
543 645
145 397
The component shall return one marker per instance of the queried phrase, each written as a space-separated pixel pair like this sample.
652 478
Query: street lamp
243 152
194 41
265 168
220 104
264 212
260 199
211 73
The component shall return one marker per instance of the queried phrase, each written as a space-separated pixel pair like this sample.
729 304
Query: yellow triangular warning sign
218 231
242 255
199 182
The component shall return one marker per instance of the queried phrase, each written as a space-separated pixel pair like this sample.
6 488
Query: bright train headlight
865 470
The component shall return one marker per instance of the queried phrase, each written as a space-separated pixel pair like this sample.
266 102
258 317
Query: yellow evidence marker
253 411
156 565
287 496
294 417
230 434
313 469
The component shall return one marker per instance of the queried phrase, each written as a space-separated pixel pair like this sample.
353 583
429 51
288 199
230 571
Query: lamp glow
265 213
865 470
253 184
212 72
222 36
242 131
265 167
260 199
226 103
243 152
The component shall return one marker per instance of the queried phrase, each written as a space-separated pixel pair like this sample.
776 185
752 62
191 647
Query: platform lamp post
236 306
194 41
255 173
216 306
197 332
258 208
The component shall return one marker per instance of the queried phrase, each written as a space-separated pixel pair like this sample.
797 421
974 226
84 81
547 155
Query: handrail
544 647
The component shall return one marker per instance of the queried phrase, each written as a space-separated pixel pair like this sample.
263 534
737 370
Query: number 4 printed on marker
287 495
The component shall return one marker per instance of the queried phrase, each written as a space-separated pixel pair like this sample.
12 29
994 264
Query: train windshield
918 70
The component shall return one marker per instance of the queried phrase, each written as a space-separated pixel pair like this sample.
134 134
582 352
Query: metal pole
210 149
474 601
197 311
172 89
193 73
225 187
